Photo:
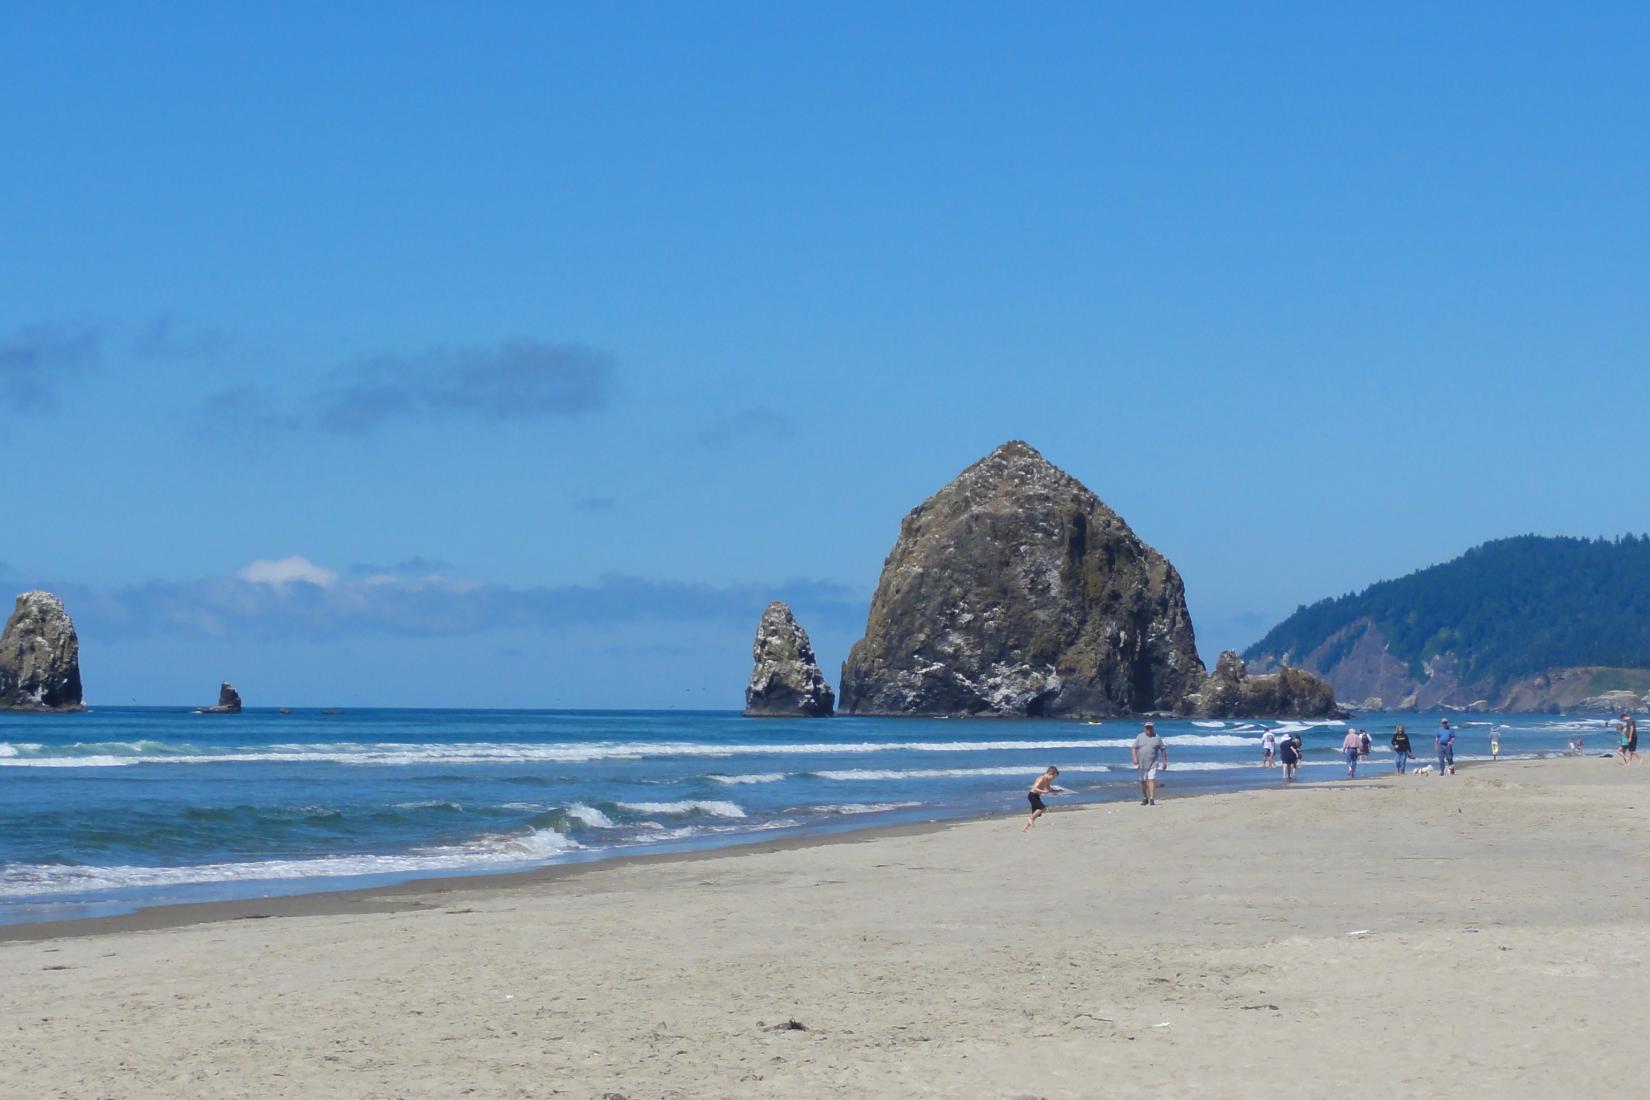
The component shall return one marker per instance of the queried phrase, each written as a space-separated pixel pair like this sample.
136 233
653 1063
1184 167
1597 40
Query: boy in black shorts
1044 785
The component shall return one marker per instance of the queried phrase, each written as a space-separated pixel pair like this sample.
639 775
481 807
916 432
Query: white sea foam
1210 725
32 879
1030 771
760 777
859 807
390 753
590 816
699 806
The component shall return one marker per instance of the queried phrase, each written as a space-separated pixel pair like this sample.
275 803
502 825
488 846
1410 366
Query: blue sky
552 340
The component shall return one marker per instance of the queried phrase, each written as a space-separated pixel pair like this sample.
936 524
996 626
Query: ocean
119 808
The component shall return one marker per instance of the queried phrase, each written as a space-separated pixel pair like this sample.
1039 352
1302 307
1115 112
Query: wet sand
1204 947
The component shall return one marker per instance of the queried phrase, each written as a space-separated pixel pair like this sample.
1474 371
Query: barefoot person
1268 746
1043 785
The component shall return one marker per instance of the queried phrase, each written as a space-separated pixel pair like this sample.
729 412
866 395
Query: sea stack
229 701
39 656
1015 592
1230 692
786 682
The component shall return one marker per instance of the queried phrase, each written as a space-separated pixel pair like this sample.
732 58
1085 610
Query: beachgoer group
1150 756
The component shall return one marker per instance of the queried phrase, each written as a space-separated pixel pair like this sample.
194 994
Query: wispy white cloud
294 597
280 571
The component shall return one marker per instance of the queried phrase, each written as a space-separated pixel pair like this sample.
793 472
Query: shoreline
1231 945
412 893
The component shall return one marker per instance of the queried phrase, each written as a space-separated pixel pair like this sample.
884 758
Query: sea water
124 807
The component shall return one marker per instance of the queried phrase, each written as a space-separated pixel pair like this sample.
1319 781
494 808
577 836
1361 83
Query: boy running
1044 785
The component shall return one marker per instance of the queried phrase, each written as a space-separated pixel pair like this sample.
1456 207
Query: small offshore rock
39 656
229 701
1230 692
786 681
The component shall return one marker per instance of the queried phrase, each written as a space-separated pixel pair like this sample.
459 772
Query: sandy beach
1424 936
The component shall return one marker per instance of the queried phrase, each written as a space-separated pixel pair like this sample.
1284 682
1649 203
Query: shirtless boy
1044 785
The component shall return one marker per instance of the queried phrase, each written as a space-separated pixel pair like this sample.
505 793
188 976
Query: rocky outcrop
1014 591
1231 692
786 682
229 701
39 656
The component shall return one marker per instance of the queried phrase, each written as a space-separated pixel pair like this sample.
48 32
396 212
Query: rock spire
786 682
39 656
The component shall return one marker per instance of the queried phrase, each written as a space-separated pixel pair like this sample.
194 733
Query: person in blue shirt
1445 740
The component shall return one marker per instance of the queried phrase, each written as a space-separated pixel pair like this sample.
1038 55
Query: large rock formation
229 701
785 682
39 656
1014 591
1230 692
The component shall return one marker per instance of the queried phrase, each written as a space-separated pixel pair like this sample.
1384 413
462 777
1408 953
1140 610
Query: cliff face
785 682
39 656
1014 591
1357 664
1231 692
1529 623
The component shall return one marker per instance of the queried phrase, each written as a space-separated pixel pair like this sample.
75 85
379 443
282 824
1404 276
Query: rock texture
1014 591
786 682
1231 692
229 701
39 656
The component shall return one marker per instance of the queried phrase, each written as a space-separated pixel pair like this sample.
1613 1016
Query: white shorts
1149 773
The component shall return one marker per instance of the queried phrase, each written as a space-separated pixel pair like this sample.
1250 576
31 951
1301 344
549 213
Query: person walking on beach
1365 744
1400 749
1495 742
1290 754
1352 745
1444 740
1150 755
1628 729
1043 785
1268 746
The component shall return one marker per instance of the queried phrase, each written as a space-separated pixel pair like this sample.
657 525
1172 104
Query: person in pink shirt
1352 746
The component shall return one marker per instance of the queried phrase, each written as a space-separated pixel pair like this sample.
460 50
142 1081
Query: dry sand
1199 948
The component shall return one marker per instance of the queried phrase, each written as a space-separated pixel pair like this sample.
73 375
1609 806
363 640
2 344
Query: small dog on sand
1424 769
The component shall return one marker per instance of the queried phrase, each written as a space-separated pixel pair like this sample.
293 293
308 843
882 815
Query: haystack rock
39 656
1014 591
1230 692
786 682
229 701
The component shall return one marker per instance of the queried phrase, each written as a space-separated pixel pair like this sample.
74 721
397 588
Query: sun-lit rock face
39 656
786 682
1014 591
